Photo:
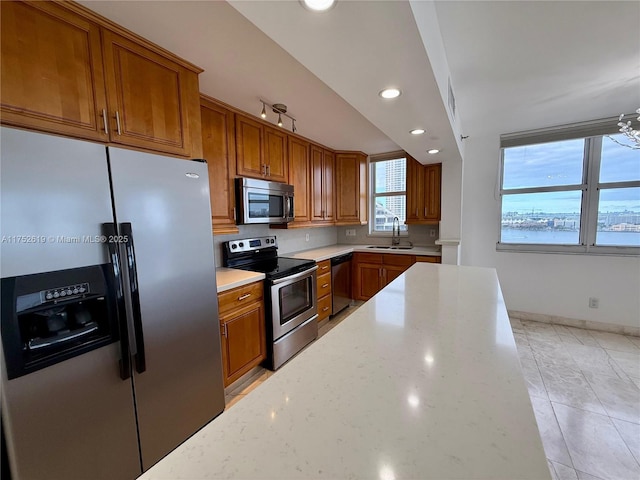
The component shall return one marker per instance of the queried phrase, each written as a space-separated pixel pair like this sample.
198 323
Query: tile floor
585 391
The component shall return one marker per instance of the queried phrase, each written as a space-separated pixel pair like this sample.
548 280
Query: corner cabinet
351 188
423 193
300 178
242 330
68 71
322 185
219 150
261 150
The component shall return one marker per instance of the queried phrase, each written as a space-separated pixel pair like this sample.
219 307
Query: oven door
293 301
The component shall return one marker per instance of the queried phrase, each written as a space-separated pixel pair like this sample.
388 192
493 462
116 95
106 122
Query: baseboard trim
572 322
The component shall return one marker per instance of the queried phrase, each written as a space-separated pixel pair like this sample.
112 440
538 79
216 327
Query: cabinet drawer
402 260
239 297
324 285
324 267
369 258
324 307
428 259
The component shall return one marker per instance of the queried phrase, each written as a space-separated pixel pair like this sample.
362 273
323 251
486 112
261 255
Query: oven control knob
233 246
241 244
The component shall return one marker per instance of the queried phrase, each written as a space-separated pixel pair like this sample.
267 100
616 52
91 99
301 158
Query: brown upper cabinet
300 178
219 150
322 185
351 188
54 80
423 192
261 150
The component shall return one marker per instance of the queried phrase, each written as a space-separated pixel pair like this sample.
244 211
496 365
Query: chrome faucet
395 235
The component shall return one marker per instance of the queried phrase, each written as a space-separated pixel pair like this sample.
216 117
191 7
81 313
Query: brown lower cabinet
324 289
373 271
242 330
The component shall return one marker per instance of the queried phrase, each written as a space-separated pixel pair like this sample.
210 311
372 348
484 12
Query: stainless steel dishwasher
341 282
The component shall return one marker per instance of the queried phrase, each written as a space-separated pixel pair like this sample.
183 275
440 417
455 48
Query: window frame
590 188
371 231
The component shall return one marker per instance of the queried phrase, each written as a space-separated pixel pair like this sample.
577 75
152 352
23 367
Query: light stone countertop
421 382
325 253
228 278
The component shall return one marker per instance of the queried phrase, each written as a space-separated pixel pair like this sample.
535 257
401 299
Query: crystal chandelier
631 133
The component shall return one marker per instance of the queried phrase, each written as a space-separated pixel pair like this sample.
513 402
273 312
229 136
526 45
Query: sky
560 163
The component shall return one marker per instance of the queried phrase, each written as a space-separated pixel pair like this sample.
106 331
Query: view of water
513 235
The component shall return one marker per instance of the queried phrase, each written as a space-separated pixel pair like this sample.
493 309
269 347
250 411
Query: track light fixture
280 109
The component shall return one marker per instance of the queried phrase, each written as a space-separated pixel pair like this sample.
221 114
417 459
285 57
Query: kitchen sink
385 247
378 247
401 248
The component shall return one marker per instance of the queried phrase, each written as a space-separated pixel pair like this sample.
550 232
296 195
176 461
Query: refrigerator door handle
127 239
109 232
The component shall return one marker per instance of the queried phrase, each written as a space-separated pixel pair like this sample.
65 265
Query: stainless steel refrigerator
110 335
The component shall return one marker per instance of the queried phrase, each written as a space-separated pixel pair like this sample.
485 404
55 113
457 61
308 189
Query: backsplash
419 235
288 240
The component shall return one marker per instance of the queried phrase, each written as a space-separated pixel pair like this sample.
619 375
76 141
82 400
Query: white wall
550 284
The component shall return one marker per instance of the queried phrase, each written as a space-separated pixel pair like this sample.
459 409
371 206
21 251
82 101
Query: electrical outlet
306 237
432 233
594 302
351 232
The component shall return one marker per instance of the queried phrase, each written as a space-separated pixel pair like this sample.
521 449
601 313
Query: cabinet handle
416 213
324 268
268 170
325 285
224 330
105 122
325 309
380 272
425 212
118 122
242 297
357 213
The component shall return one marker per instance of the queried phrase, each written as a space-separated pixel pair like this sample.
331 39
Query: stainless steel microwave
259 201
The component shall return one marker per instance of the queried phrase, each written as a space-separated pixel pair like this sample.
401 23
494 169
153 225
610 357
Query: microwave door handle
109 231
285 210
139 357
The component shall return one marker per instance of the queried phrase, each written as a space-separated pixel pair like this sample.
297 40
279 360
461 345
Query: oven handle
306 273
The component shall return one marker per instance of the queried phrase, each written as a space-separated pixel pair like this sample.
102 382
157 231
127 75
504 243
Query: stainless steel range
290 294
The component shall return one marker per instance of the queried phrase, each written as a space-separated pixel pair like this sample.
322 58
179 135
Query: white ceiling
514 65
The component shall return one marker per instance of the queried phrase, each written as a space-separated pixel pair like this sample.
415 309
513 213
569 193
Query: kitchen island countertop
422 381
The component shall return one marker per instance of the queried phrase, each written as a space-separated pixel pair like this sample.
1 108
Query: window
574 195
389 193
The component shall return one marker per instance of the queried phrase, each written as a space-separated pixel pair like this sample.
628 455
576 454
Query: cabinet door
249 138
148 96
300 178
52 75
243 341
391 272
368 280
317 174
432 182
218 143
414 191
347 184
329 166
275 155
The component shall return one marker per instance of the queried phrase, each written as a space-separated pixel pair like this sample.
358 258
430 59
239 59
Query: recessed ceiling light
390 93
417 131
433 151
318 5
